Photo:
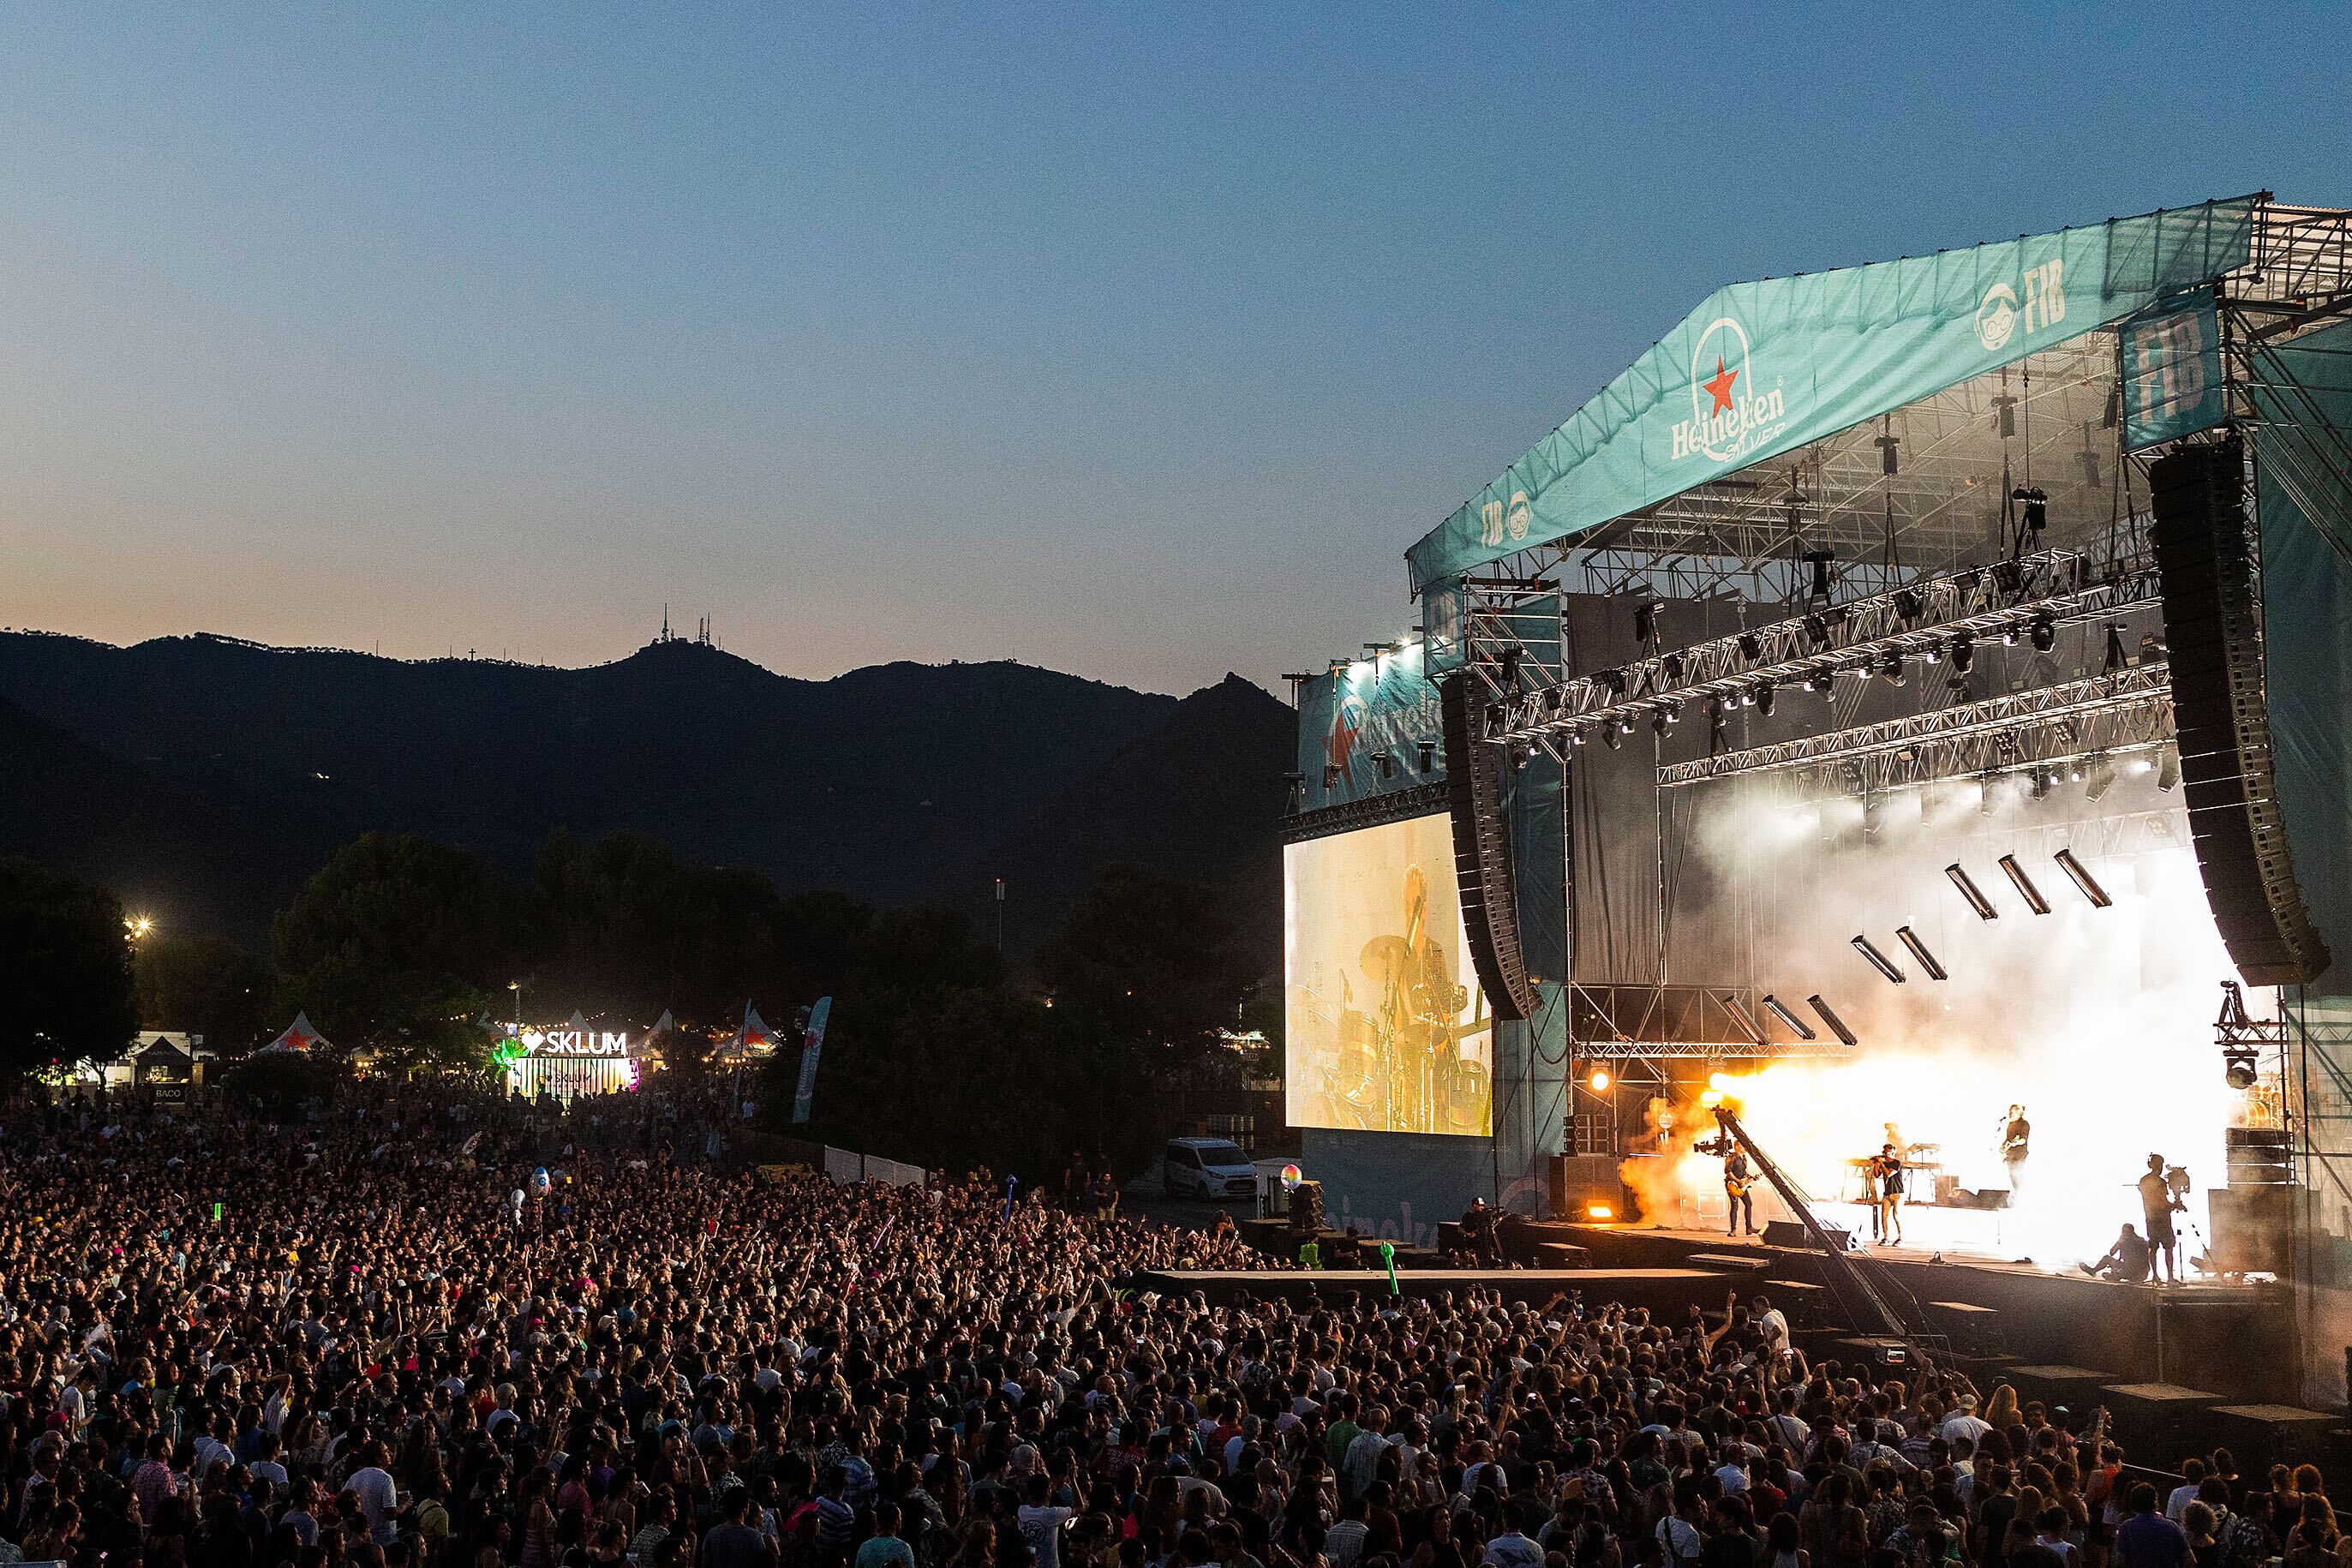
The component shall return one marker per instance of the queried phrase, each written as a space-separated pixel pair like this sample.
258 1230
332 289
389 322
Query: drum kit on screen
1395 1060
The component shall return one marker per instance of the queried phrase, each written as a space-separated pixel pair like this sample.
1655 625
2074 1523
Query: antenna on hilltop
665 632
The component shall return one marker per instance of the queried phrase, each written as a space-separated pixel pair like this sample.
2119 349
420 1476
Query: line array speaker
2205 572
1482 857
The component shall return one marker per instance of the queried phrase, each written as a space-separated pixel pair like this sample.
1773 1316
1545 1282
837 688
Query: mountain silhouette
223 771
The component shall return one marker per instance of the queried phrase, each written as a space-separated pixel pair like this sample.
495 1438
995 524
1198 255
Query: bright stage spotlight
1747 1020
2083 879
1878 961
2167 771
1970 891
1927 959
2033 895
1797 1026
2102 779
1836 1024
1600 1080
2240 1065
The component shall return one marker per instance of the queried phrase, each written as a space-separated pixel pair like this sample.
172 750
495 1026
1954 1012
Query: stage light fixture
1908 605
1751 646
1818 680
1387 763
2075 774
1891 666
1970 891
1829 1016
2045 633
1797 1026
1764 695
1817 629
1919 954
1964 653
2009 639
1427 753
1820 560
2036 515
2102 779
1600 1080
2032 894
1613 680
2167 771
1576 737
2241 1066
1745 1019
1612 734
1747 698
1878 961
1931 654
2083 879
2117 659
2037 783
1675 670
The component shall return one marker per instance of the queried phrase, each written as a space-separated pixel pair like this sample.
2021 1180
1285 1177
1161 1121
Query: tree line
939 1052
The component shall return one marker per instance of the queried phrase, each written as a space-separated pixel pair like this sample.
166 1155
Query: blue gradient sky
1138 343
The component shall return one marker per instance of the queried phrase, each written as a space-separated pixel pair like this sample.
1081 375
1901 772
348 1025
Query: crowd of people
431 1329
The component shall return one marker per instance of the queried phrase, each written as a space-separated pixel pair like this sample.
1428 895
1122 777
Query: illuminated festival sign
566 1041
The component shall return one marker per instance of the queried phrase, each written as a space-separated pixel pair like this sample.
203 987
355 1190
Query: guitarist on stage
1738 1178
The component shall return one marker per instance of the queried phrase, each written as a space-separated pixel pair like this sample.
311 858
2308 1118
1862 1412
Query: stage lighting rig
1601 1080
2035 517
2102 778
1964 653
1891 666
1764 695
2032 894
1926 961
2083 879
1970 891
1747 1020
1751 646
2045 633
1829 1016
1387 763
1878 961
1425 753
1798 1027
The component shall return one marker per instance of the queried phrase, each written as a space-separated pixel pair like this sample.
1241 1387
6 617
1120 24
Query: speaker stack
2205 569
1482 857
2253 1216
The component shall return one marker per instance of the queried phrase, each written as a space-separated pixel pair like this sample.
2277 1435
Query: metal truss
1369 810
2004 601
1663 1022
2130 709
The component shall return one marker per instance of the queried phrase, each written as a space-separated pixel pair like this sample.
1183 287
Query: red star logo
1721 387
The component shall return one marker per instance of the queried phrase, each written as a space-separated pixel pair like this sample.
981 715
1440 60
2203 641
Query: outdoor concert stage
2227 1342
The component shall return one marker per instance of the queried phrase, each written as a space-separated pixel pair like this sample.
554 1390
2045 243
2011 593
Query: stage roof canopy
1761 369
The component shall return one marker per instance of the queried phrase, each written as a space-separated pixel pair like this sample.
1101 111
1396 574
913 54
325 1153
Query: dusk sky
1136 342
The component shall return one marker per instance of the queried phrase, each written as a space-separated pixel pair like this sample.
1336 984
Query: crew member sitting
2127 1261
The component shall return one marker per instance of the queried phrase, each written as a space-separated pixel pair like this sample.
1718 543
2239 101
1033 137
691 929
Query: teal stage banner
2170 370
1363 729
1762 368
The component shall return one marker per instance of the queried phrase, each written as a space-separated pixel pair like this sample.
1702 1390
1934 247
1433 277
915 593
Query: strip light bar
1919 952
1797 1026
2083 879
1970 891
2033 898
1878 961
1836 1024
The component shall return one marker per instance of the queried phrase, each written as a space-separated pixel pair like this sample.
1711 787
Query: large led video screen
1386 1029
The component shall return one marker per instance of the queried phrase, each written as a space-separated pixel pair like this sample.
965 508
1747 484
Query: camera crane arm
1856 1293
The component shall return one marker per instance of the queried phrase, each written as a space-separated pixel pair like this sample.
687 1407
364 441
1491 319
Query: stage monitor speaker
1791 1233
2254 1230
1581 1183
1482 856
2205 572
